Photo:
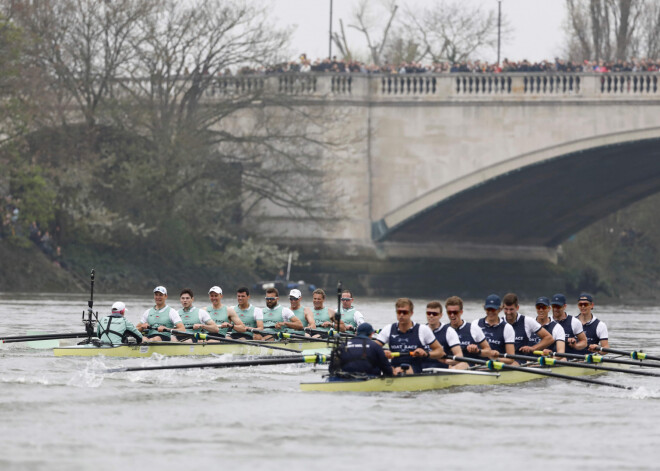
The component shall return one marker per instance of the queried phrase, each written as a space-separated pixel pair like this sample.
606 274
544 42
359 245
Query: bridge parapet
445 87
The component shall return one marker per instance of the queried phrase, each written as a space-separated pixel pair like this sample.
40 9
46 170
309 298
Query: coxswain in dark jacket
362 356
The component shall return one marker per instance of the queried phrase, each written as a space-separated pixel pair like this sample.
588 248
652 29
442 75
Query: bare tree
452 31
611 29
366 20
169 135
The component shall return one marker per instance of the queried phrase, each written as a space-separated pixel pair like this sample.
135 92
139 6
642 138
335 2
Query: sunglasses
292 298
432 313
270 299
453 312
584 304
346 299
402 311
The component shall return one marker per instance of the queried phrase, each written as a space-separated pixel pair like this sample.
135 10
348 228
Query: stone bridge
480 166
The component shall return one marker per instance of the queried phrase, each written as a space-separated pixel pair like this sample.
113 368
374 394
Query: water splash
89 377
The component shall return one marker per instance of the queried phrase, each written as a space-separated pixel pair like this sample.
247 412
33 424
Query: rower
251 316
323 317
361 356
115 329
405 336
278 318
304 314
594 329
525 328
351 317
160 318
500 335
194 319
224 317
472 338
576 340
556 330
446 335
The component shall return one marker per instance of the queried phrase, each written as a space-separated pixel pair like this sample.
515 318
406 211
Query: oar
229 364
591 358
284 335
252 343
545 361
30 338
635 355
328 333
497 365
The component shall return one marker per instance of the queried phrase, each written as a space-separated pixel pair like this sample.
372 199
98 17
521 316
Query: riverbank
26 269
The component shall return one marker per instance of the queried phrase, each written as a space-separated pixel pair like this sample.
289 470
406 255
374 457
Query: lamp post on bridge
499 28
330 37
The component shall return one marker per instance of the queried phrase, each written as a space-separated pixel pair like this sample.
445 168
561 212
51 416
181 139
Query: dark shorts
164 338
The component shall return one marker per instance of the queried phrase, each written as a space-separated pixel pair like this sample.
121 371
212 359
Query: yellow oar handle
494 365
400 354
538 353
546 361
318 358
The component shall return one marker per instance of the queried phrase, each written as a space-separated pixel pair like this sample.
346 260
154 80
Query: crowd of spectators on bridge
336 65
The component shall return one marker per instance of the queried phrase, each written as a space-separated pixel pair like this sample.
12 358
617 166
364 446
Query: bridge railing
440 87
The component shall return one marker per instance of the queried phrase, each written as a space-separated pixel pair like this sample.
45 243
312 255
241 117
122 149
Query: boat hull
439 379
188 349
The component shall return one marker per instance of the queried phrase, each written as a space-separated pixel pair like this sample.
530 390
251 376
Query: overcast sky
536 25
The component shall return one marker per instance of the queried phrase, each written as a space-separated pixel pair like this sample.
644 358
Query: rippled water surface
66 413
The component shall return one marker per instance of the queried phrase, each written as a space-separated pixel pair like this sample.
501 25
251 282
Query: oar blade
42 344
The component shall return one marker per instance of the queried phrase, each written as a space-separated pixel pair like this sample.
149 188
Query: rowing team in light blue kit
243 320
490 337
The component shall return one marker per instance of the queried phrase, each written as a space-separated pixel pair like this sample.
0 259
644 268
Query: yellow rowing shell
189 349
440 379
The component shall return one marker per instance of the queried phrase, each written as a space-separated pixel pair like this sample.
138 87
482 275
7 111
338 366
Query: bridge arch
534 199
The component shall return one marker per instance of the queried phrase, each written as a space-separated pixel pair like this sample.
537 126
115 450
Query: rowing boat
439 379
189 349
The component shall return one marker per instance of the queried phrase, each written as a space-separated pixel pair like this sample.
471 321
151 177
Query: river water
66 413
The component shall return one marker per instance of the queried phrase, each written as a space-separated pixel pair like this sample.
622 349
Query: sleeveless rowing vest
190 318
321 316
300 314
494 334
219 316
441 336
406 342
567 324
247 317
348 316
521 339
590 330
534 339
157 318
272 317
465 337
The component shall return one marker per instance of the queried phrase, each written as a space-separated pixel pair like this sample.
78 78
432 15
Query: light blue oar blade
42 344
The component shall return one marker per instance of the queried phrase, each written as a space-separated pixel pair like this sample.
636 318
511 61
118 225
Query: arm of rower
211 326
603 343
486 352
294 323
238 323
510 350
437 352
546 340
307 312
581 343
260 326
457 351
560 347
